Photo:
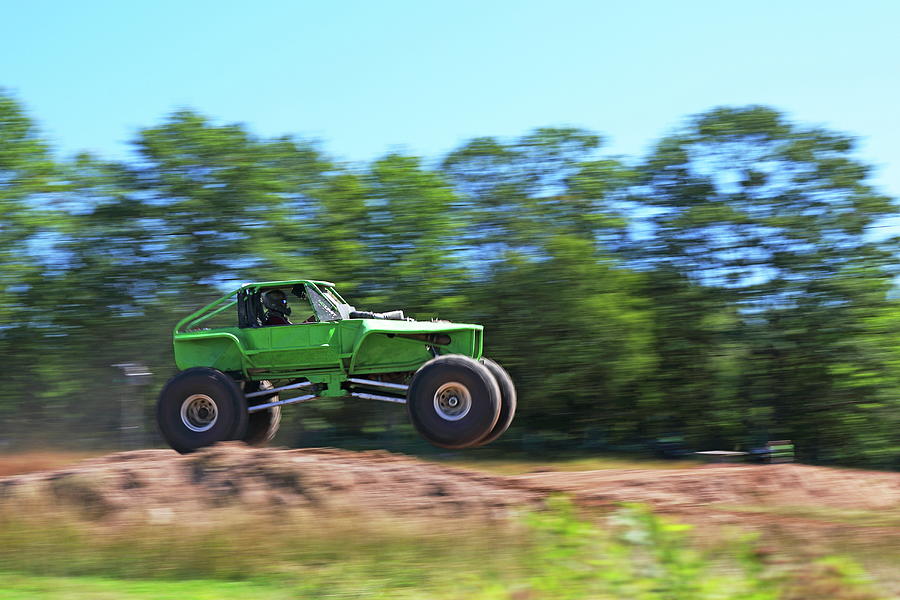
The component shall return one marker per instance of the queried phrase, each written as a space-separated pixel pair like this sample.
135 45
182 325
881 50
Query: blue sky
368 77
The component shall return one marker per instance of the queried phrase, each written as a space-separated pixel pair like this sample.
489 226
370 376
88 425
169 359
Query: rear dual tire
507 401
261 425
457 402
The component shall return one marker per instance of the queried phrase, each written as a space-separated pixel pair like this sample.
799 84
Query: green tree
550 182
223 202
776 220
27 200
413 237
577 337
30 228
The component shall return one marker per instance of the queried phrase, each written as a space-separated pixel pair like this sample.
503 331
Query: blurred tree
518 195
744 200
776 220
30 226
111 303
415 237
695 391
224 203
576 336
563 314
731 287
27 174
342 235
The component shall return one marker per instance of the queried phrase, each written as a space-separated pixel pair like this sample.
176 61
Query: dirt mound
678 490
163 484
797 506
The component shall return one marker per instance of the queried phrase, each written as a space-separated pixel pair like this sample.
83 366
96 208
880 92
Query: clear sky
368 77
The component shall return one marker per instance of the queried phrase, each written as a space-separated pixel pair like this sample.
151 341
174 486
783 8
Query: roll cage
325 301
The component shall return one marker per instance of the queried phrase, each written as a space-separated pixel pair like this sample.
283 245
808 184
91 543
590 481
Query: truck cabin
289 304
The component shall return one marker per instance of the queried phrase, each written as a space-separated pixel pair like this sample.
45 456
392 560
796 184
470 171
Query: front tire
453 401
199 407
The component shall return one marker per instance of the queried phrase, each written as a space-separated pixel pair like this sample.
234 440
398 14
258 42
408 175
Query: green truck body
323 352
238 354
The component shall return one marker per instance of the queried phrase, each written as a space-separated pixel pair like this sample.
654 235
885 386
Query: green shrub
642 556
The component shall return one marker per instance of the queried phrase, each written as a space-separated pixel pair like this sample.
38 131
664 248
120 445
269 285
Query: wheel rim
199 413
452 401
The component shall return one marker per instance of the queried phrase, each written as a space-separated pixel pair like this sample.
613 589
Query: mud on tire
453 401
199 407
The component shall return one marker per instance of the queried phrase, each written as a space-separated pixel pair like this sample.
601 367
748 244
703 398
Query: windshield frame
337 308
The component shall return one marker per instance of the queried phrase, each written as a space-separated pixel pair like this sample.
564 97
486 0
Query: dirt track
679 490
160 482
823 509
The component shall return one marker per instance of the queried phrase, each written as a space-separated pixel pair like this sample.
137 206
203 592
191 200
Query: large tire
453 401
199 407
263 425
507 401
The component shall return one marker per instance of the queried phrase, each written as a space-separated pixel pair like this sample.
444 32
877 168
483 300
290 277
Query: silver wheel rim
452 401
199 413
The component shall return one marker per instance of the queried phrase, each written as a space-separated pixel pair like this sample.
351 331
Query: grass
46 552
825 514
228 543
343 587
24 587
868 536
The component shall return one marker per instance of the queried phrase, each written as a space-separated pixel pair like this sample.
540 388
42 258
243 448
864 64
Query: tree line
732 286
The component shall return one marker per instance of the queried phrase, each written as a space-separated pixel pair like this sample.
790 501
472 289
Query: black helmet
276 301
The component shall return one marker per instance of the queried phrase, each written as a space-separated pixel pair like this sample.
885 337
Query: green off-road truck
232 376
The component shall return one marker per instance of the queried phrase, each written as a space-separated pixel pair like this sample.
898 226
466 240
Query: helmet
276 301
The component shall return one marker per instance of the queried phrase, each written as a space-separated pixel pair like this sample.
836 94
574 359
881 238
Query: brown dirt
788 502
161 481
28 462
164 484
686 490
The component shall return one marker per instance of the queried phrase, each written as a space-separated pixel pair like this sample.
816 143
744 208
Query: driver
277 309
